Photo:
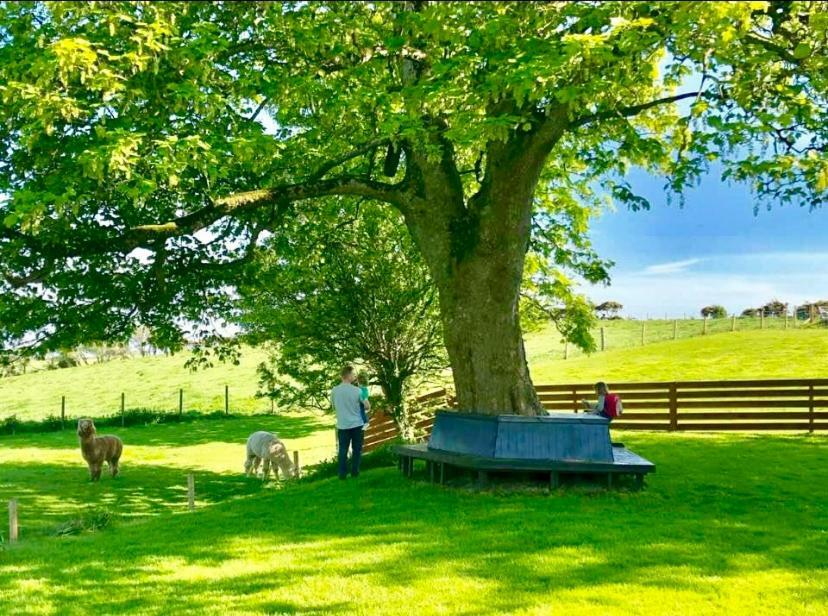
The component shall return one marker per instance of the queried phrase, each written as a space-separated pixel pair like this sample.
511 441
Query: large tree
146 146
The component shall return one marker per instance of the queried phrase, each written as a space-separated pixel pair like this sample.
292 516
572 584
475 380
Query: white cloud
734 281
673 267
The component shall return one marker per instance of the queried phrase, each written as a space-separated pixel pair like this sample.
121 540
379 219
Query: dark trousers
351 437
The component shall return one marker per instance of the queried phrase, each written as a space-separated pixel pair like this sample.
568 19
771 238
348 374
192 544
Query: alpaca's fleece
99 449
266 447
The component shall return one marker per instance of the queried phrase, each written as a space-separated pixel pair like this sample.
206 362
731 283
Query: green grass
147 382
730 524
153 382
740 355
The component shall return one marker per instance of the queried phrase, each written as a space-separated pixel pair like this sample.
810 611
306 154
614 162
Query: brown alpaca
98 449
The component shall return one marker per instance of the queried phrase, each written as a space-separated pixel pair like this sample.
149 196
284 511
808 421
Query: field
154 382
729 524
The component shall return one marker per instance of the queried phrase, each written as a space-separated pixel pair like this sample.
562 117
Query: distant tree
608 310
775 308
751 312
355 292
714 312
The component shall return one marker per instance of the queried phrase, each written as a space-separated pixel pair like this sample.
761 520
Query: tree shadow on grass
230 430
49 494
716 512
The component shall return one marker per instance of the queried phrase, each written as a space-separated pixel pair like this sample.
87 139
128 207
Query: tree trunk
479 307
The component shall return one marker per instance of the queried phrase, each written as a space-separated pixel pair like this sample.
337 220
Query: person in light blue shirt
346 399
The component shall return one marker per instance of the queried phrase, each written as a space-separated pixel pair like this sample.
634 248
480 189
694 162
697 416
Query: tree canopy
145 147
356 291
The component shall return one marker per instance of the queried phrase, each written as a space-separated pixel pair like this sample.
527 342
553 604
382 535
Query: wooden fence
779 404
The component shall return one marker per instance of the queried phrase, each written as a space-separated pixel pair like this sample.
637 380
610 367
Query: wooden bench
624 462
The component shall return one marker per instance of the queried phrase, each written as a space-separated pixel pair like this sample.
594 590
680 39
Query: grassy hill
153 382
147 382
739 355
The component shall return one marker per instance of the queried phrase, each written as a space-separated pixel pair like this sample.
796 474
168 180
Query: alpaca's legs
265 469
256 461
95 471
114 467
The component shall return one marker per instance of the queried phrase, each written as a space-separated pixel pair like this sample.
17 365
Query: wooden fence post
226 399
762 318
566 349
794 317
733 323
704 327
191 492
296 467
13 528
575 400
673 407
180 402
810 408
123 404
603 340
62 412
642 332
786 318
675 329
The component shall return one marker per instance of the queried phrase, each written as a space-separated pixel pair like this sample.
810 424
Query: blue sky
671 261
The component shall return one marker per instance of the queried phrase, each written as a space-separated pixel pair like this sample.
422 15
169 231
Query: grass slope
730 524
153 382
739 355
147 382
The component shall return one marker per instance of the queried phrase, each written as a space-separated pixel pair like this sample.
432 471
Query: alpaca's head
279 453
86 428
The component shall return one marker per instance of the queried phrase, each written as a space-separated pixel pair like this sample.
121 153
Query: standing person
608 405
345 399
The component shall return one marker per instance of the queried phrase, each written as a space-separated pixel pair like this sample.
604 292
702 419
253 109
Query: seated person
608 405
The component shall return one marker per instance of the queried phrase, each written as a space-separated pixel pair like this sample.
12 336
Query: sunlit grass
741 355
730 524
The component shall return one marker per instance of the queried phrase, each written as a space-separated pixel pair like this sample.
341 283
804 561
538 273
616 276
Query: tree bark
475 250
479 306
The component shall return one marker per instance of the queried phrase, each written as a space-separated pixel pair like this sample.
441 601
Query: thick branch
626 112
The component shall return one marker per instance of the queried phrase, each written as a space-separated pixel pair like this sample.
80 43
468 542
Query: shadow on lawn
49 494
717 509
230 430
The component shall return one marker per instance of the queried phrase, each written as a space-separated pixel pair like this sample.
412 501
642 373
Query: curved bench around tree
556 443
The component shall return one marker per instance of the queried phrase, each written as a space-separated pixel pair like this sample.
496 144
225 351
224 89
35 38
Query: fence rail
752 405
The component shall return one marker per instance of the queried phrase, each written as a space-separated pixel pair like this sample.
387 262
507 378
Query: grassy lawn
153 382
729 524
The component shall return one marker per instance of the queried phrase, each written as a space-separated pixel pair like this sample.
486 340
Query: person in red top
608 405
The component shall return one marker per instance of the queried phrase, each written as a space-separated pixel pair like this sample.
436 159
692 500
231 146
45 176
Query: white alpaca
266 447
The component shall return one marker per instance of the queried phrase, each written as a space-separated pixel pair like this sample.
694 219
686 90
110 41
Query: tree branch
363 149
626 112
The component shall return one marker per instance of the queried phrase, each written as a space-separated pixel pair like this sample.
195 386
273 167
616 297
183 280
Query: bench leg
554 480
639 481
